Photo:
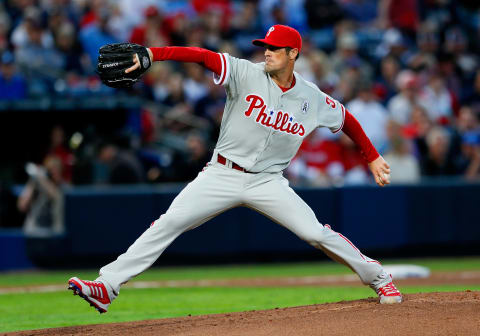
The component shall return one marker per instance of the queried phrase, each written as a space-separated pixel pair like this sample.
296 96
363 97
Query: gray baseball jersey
262 126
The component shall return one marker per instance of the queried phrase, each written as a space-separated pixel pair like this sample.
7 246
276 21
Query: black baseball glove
115 58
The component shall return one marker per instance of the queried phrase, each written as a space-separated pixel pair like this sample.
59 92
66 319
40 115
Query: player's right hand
380 170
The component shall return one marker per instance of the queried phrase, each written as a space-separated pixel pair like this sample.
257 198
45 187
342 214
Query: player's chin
269 69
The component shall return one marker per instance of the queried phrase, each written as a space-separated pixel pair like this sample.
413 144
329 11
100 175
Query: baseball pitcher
268 112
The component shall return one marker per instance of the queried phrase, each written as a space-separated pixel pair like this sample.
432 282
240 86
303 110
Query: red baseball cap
281 36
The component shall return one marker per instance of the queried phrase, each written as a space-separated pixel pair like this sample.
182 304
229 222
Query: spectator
393 44
157 79
58 149
347 56
22 34
177 26
97 34
404 166
386 86
456 43
42 199
194 86
70 49
176 94
467 141
221 9
12 83
152 31
116 24
211 107
371 114
323 76
437 100
41 64
452 75
471 154
245 26
123 166
291 13
428 44
467 120
400 106
133 12
360 11
437 161
400 14
196 157
349 80
196 35
212 28
419 124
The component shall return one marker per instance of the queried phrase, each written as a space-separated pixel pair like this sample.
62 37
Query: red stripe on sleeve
209 59
354 130
343 120
224 62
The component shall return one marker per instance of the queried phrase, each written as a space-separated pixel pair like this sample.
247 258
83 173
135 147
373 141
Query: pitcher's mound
420 314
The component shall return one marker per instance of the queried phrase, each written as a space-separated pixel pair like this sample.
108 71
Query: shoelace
389 290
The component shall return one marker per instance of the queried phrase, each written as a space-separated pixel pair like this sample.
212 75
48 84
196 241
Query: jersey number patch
330 102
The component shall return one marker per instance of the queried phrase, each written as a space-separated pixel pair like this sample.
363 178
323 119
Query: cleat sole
391 300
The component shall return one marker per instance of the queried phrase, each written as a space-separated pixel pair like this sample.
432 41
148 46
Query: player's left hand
380 170
120 65
136 61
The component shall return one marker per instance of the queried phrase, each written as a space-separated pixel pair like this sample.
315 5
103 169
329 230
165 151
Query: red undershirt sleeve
209 59
354 130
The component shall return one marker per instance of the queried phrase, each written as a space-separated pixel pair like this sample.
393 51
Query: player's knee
315 237
169 222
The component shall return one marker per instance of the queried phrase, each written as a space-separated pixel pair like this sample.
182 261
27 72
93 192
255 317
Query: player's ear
293 54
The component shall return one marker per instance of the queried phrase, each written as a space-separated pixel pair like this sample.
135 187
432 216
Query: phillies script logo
279 120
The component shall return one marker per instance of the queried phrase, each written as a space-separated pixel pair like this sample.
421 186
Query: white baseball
386 177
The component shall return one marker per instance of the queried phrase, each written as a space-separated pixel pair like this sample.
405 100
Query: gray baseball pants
219 188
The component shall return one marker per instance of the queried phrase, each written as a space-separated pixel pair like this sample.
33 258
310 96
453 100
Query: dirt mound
420 314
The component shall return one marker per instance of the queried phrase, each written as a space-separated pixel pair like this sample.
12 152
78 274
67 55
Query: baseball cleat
386 290
94 292
389 294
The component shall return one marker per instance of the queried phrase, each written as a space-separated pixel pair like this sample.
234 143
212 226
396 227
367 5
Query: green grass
233 271
45 310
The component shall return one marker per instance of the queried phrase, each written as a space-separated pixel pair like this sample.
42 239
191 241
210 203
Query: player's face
276 59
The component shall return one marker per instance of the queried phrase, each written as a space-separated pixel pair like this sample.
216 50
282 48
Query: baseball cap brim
263 42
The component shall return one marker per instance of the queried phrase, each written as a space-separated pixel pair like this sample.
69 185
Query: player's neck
283 79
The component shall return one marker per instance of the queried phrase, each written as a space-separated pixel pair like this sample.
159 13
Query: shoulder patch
305 106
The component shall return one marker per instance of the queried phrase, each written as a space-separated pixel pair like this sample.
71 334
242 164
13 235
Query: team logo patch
146 62
270 30
305 106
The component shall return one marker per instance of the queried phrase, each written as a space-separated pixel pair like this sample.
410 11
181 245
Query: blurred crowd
408 70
